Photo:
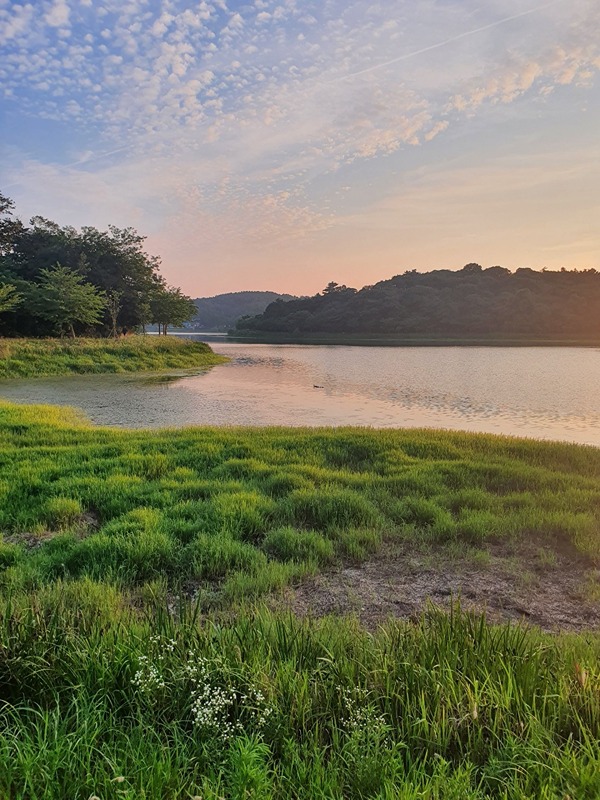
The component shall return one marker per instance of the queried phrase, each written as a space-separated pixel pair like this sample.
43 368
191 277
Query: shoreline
399 341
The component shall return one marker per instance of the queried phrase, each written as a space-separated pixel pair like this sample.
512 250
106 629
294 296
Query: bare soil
83 526
545 583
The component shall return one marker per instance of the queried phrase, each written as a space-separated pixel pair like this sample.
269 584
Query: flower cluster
360 716
212 711
220 707
148 678
164 644
223 710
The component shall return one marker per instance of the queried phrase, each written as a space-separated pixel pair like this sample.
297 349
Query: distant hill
470 302
221 312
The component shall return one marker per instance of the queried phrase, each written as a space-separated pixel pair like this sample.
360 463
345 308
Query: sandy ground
537 582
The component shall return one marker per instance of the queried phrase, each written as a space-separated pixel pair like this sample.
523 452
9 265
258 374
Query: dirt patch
85 524
548 584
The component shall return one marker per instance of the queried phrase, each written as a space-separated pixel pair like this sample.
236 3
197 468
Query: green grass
27 358
103 692
97 702
227 508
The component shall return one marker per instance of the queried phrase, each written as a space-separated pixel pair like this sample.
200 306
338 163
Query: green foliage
99 702
111 265
472 303
215 506
9 297
289 544
133 665
65 299
168 306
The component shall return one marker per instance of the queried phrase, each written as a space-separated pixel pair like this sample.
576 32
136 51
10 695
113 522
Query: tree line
221 312
63 281
469 302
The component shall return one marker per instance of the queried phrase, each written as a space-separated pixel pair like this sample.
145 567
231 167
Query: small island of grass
27 358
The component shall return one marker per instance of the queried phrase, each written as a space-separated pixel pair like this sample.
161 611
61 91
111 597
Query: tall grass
99 703
113 684
26 358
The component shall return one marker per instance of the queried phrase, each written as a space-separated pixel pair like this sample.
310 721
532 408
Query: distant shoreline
379 340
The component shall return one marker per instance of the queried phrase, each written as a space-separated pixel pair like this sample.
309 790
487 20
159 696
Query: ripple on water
551 393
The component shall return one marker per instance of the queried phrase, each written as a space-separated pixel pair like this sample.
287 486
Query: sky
282 144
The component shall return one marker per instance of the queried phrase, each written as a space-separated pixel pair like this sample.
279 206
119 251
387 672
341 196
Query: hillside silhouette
221 312
470 302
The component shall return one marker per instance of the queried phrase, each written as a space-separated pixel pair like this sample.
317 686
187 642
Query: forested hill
221 312
472 302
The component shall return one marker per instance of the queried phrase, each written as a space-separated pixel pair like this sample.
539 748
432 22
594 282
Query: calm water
551 393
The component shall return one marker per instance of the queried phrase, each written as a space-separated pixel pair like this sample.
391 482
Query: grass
28 358
99 703
241 511
105 693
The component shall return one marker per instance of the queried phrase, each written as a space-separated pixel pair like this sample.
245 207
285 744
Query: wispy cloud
249 117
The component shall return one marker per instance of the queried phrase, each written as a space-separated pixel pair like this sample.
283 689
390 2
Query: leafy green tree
9 228
114 261
9 297
169 306
66 299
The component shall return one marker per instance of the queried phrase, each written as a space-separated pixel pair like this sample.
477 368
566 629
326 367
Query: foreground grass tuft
27 358
97 702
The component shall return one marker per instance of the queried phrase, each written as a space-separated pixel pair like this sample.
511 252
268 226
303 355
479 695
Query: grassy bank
28 358
104 693
242 511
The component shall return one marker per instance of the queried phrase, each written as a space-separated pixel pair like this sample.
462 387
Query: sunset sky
281 144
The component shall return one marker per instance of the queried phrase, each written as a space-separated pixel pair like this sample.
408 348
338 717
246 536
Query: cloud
247 117
58 14
148 71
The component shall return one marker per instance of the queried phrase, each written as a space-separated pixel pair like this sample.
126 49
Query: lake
549 393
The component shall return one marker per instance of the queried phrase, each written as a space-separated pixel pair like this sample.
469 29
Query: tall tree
66 299
169 306
9 227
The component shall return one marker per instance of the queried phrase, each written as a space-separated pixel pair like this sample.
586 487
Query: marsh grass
249 510
113 685
97 701
27 358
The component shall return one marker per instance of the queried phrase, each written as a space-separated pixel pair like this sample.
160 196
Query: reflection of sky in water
541 392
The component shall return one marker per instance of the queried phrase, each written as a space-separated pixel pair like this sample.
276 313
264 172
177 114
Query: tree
9 297
66 299
9 228
113 261
169 306
113 306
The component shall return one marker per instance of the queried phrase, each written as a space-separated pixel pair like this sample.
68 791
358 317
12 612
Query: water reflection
540 392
